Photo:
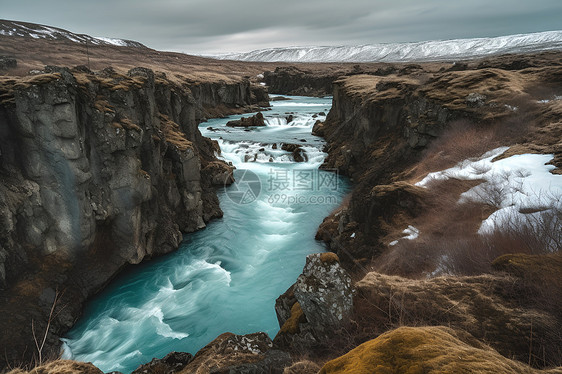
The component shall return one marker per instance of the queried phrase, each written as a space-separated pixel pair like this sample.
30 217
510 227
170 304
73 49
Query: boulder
324 291
298 153
319 302
318 128
255 120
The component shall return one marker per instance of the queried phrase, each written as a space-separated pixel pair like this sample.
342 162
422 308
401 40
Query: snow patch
411 233
521 187
112 41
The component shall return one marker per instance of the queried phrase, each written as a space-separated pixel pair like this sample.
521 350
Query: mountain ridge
433 50
37 31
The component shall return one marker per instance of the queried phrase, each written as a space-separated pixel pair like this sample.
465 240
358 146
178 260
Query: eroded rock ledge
98 170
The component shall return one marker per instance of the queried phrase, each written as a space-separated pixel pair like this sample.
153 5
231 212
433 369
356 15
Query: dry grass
179 68
499 310
173 133
450 244
461 141
61 367
10 84
370 88
302 367
425 350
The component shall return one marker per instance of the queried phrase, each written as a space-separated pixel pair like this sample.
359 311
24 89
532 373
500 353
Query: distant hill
31 30
440 50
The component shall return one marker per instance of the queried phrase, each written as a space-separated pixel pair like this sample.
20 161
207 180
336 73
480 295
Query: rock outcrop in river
98 170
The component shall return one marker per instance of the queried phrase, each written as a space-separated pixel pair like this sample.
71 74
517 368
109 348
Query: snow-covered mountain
23 29
396 52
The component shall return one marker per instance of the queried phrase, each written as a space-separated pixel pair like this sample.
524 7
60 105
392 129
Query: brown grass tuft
173 133
61 367
329 257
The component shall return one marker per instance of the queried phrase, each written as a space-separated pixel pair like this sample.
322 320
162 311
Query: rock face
319 302
62 366
294 81
98 170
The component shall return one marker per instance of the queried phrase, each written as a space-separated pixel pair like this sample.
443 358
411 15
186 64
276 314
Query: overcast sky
218 26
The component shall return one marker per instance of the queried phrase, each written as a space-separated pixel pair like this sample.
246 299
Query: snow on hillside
22 29
396 52
521 187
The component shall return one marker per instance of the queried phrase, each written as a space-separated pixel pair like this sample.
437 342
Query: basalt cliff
98 170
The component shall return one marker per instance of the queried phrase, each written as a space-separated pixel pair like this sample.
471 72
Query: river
227 276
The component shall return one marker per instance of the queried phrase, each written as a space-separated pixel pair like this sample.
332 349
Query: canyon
104 168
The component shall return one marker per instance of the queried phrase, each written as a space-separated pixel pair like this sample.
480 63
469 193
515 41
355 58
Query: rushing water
226 277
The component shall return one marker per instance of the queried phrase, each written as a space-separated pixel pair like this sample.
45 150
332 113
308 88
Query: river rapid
227 276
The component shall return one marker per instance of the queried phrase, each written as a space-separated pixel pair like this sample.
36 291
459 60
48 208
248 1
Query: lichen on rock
324 291
320 301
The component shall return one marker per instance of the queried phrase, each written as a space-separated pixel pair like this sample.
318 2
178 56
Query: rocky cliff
291 80
98 170
381 127
318 79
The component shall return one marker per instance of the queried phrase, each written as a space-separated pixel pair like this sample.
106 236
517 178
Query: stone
475 99
324 291
299 155
318 128
255 120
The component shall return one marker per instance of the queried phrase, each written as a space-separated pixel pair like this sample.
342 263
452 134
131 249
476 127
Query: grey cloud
206 26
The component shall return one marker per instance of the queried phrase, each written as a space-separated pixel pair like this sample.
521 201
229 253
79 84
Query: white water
226 277
434 50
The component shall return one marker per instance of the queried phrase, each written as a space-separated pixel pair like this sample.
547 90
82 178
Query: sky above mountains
221 26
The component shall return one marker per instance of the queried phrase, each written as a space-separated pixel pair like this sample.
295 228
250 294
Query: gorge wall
98 170
381 127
